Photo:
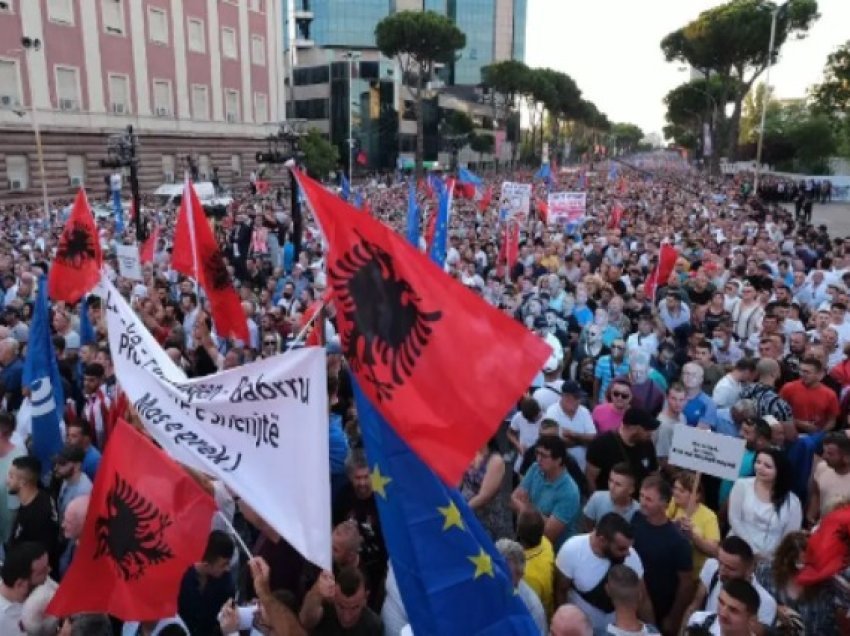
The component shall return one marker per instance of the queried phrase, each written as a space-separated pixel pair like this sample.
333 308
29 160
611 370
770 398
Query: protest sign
515 203
261 428
706 452
129 263
566 207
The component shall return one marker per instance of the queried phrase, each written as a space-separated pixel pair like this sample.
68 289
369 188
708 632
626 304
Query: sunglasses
270 343
622 396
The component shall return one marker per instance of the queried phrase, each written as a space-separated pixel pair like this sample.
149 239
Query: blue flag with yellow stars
451 578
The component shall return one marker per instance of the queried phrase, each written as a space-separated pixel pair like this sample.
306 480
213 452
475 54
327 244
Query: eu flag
544 172
467 176
412 216
41 375
439 246
346 189
451 578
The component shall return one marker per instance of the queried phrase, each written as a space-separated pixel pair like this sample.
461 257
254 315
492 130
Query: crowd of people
748 337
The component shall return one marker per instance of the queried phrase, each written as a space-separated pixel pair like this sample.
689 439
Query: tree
626 137
320 155
731 42
751 112
503 82
419 40
482 143
694 103
833 94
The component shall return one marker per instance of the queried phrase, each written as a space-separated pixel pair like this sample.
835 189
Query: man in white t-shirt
735 560
524 428
582 565
670 417
25 568
737 607
574 422
550 392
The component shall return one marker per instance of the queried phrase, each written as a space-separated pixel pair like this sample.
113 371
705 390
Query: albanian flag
196 254
76 267
666 262
422 346
144 528
146 253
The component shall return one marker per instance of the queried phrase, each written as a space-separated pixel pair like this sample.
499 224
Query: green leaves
320 155
425 36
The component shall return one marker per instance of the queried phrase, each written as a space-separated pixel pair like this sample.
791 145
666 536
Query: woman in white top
762 509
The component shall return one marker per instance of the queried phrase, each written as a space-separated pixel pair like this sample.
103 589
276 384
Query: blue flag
41 375
412 216
118 210
451 578
439 245
466 176
358 200
346 189
612 171
87 335
544 172
582 180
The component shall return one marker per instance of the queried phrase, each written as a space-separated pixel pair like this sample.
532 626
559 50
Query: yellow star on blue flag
379 482
451 578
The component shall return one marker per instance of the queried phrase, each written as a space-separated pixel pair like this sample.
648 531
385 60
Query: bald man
72 528
569 620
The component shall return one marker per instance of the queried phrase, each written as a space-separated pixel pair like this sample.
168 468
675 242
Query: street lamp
773 17
122 152
32 45
350 56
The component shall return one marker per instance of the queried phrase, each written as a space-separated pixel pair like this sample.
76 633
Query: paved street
836 216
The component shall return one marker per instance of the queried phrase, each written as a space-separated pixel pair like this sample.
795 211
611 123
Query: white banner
515 203
129 263
567 207
705 452
262 429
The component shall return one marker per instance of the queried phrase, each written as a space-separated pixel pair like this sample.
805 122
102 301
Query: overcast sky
611 49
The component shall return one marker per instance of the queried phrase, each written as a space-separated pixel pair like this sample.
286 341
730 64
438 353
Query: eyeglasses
622 396
543 454
270 343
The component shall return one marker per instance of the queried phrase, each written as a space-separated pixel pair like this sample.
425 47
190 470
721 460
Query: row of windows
308 109
68 94
112 15
18 169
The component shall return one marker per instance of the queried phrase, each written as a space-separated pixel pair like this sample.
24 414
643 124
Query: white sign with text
705 452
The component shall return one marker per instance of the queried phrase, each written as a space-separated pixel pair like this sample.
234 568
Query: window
119 94
236 165
258 50
228 43
256 5
76 170
231 106
204 167
197 39
200 102
157 25
61 11
17 171
168 166
113 16
162 98
9 83
67 88
261 108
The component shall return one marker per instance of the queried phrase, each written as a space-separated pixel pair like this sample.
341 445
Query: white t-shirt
526 431
699 618
548 394
10 617
767 605
664 433
648 343
577 561
581 423
726 392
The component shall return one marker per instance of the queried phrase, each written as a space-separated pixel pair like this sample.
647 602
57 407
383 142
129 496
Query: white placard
262 428
129 263
515 203
709 453
567 207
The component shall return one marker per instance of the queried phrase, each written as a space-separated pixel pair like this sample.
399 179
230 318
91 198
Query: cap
551 364
638 417
70 453
571 387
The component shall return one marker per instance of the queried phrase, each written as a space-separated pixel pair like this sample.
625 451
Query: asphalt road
836 217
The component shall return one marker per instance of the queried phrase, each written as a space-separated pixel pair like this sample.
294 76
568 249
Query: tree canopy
832 95
320 155
626 137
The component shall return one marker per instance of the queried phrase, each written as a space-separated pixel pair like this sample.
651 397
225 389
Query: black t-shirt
609 449
664 552
38 521
368 625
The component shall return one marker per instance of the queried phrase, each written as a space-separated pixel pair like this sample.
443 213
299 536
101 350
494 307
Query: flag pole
234 534
303 332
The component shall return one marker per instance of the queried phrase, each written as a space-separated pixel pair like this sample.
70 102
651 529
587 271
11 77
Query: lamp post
32 45
764 100
350 56
122 152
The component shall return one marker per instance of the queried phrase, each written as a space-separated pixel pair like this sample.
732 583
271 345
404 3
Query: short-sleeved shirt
609 449
832 486
767 604
705 525
812 404
559 498
581 422
767 402
600 504
606 370
700 409
665 553
540 573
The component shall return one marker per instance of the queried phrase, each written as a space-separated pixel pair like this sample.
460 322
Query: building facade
321 35
197 78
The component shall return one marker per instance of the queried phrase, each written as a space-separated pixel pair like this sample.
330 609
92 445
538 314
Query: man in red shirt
814 405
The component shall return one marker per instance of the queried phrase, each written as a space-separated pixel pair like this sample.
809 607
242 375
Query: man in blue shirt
549 488
699 407
206 586
78 433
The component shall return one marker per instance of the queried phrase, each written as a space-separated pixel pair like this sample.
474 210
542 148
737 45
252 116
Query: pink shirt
607 418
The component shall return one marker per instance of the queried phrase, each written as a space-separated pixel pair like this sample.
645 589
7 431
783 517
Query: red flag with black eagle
141 534
429 354
196 254
75 269
667 256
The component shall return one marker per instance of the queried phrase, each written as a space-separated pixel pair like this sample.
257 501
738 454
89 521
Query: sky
611 48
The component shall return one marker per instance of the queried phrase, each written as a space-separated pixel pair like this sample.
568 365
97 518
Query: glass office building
477 19
347 22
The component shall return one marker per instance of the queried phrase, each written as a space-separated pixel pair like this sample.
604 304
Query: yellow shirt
540 573
705 525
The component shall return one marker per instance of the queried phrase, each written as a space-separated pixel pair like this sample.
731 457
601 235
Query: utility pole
122 152
764 100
